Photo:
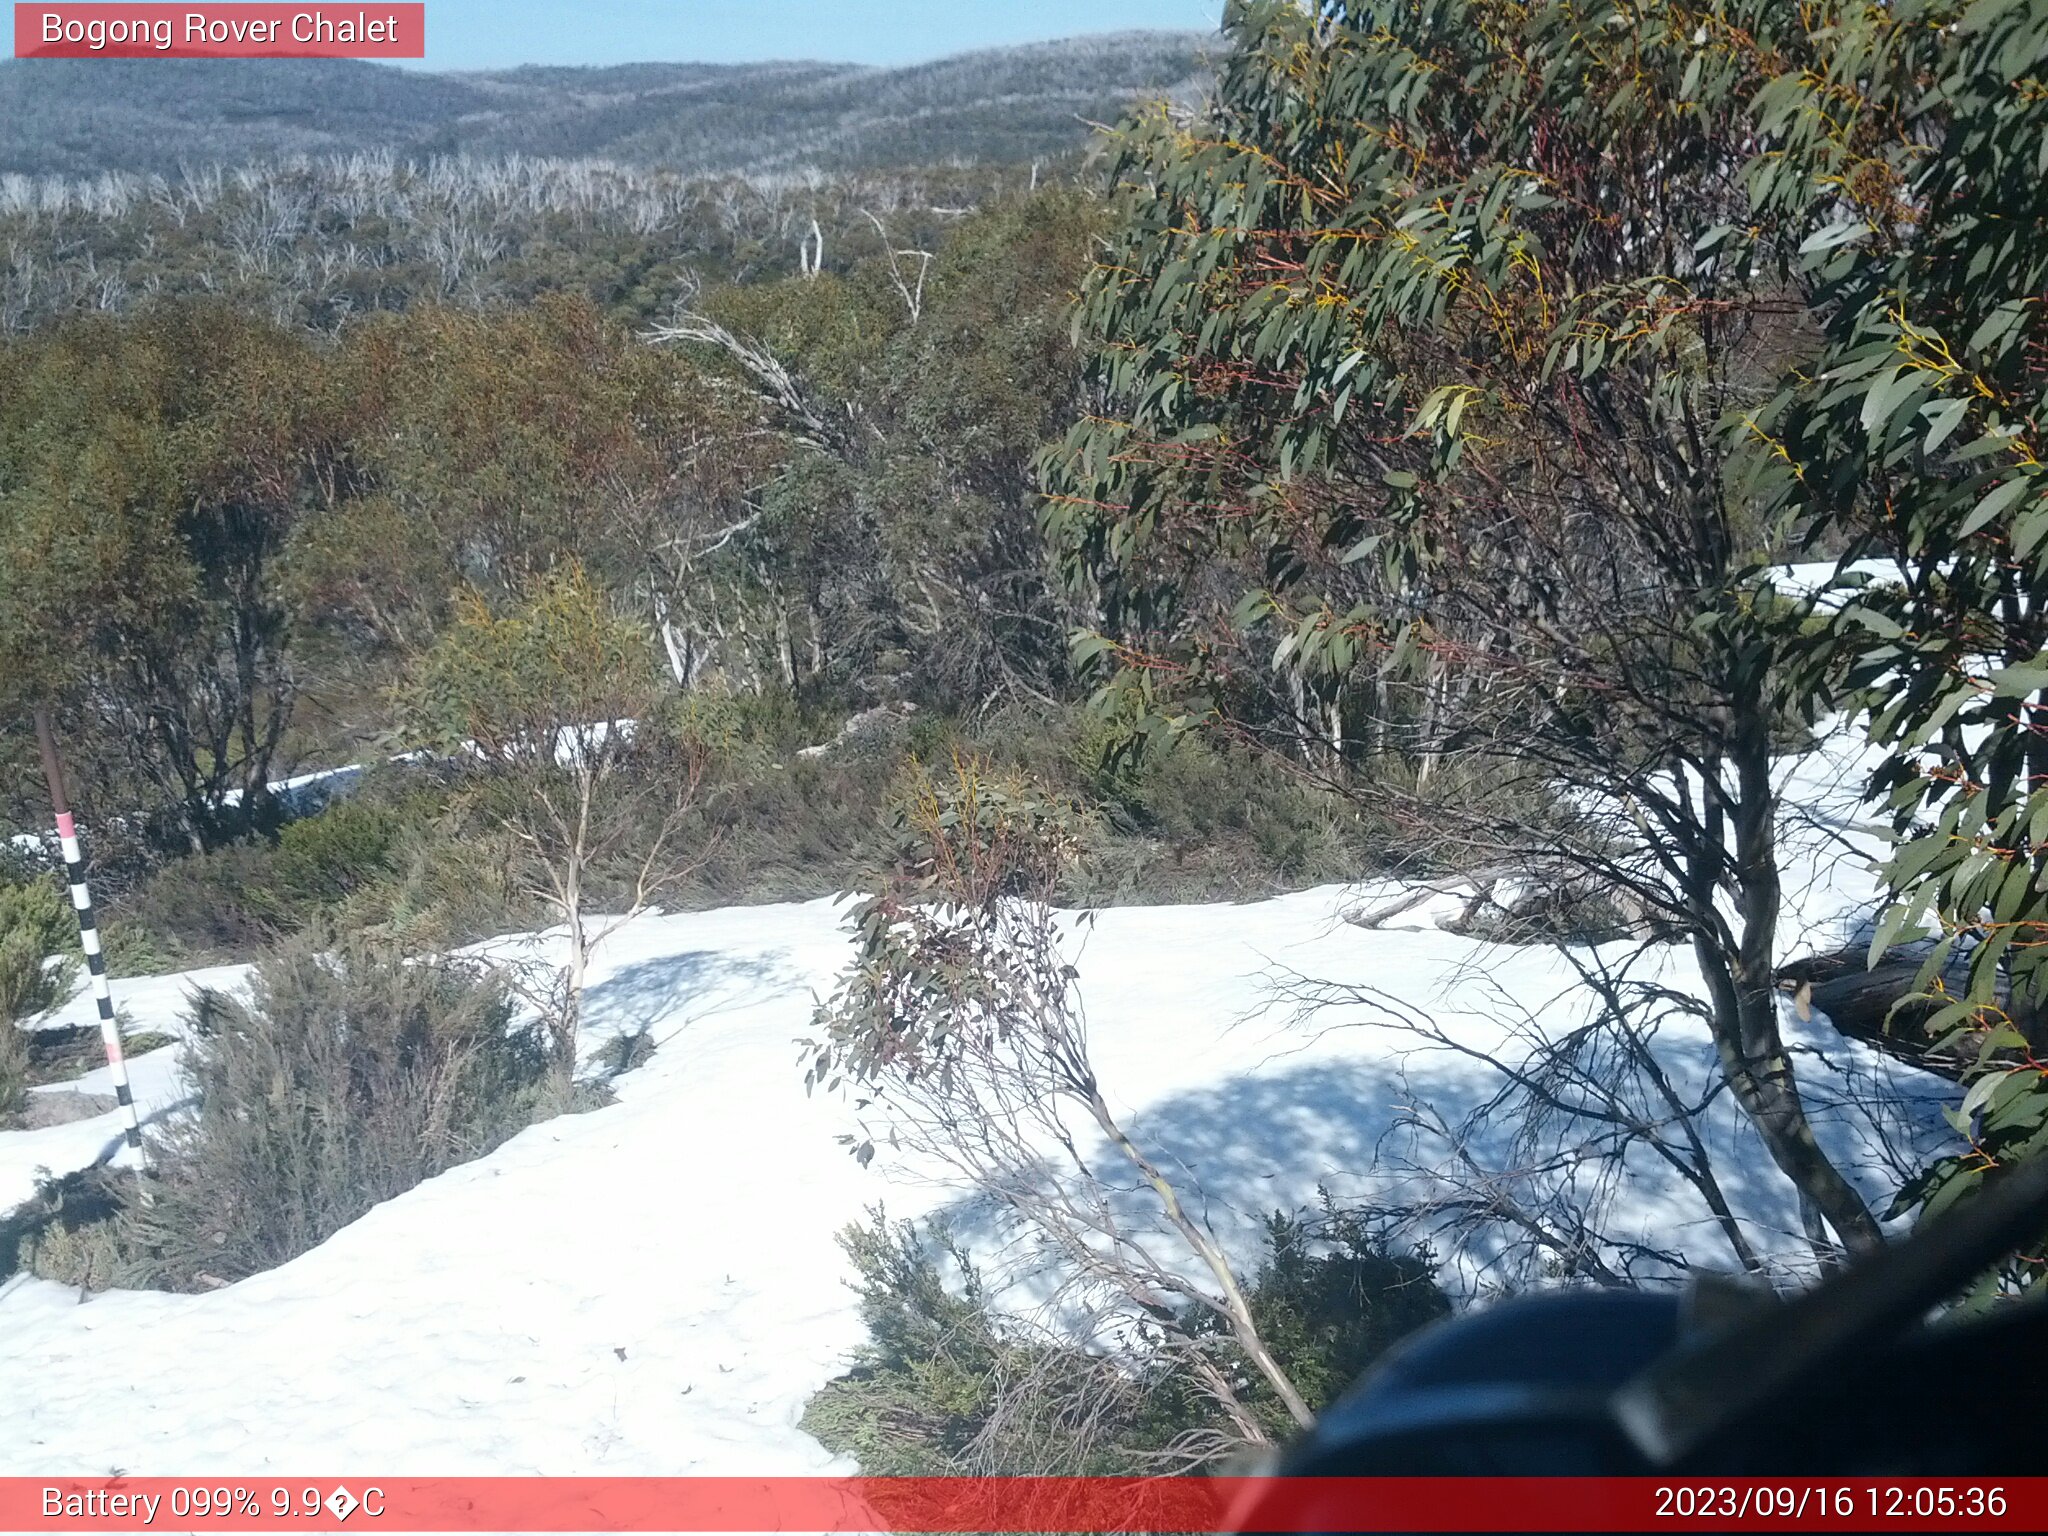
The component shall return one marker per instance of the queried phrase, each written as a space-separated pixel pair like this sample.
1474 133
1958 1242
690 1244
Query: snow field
654 1288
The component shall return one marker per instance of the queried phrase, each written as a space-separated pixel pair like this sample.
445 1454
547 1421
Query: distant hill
1004 105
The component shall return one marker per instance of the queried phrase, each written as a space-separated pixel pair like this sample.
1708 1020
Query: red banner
101 31
1192 1504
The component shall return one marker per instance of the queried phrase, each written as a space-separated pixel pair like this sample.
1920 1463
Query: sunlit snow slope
655 1288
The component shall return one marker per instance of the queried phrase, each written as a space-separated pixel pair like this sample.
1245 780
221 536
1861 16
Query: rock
59 1106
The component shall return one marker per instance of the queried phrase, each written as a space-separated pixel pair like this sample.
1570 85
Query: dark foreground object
1848 1379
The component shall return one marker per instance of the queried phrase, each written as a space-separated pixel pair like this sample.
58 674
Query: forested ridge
1003 105
1390 466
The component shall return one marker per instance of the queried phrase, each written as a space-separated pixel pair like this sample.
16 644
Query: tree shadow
159 1116
1360 1130
647 995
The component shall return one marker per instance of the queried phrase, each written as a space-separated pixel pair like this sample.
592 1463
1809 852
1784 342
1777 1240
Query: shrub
71 1229
225 903
341 866
235 900
13 1067
741 734
1194 820
344 1079
395 854
1331 1297
411 851
136 949
35 923
325 859
947 1384
624 1053
36 917
34 908
783 831
454 885
1191 818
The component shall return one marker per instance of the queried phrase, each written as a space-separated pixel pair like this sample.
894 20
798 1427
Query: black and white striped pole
88 931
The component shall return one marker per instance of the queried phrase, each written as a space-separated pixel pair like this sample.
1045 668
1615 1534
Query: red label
372 31
389 1505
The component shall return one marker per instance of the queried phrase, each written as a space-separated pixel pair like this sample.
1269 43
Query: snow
1830 582
654 1287
302 794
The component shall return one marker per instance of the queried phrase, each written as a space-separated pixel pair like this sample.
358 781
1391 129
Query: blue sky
495 34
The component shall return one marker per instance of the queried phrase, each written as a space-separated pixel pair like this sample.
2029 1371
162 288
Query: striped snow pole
88 929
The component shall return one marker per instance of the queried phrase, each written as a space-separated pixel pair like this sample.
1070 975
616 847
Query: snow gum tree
550 694
1917 438
153 476
1419 358
960 1027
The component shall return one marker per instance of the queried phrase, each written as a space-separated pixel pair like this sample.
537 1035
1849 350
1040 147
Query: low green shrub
1204 819
1329 1300
346 1077
35 924
413 851
34 911
741 735
73 1229
624 1053
1197 821
453 885
35 915
218 905
945 1385
395 853
347 848
13 1067
135 949
792 830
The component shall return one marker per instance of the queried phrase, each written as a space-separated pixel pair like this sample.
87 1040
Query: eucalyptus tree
551 694
1917 438
1417 357
153 474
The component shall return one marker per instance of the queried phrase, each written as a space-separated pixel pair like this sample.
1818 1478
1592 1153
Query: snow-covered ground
655 1287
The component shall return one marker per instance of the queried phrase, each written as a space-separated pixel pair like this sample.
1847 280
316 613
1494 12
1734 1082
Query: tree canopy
1467 372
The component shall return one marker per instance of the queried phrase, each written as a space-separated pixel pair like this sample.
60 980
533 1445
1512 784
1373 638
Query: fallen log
1882 1005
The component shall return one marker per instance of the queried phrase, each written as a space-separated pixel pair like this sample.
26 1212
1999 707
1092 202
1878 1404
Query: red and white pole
88 929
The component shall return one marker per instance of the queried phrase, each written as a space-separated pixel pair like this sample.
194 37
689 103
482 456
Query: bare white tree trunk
1430 745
